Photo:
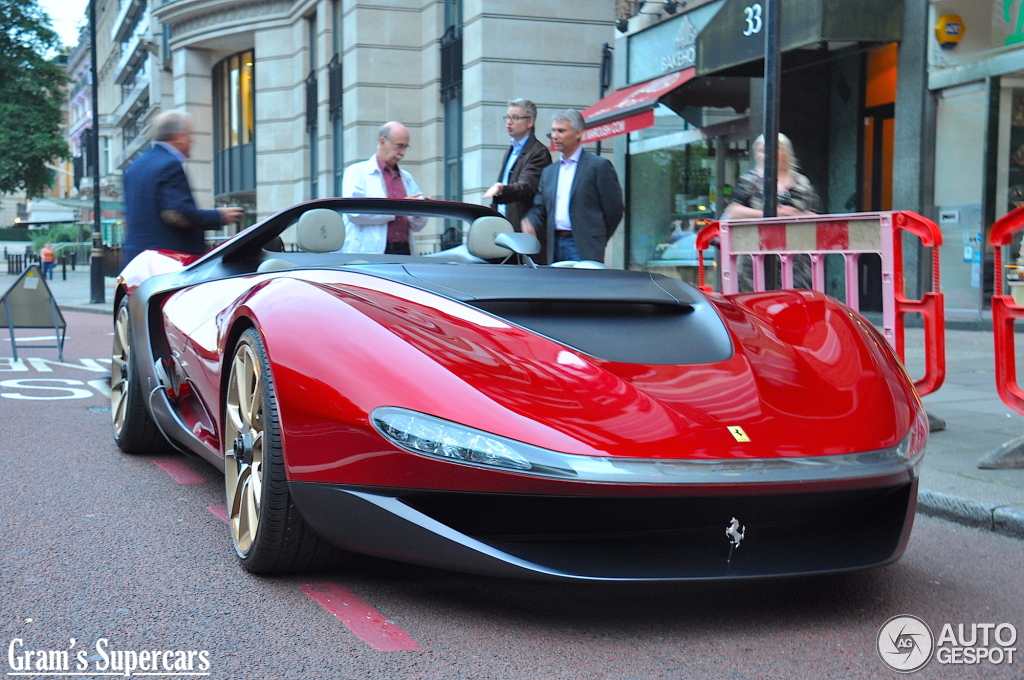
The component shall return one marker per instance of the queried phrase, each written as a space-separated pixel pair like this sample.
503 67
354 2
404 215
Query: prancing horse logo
735 532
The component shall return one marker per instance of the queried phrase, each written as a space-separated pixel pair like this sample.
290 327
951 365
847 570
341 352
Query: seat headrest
480 241
274 264
320 231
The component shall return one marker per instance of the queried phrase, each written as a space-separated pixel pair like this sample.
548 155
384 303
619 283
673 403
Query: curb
1002 519
91 309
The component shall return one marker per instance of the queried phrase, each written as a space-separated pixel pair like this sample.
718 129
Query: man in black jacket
158 203
578 203
524 160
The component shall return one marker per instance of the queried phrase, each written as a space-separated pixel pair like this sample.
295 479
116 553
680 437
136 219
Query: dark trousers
398 248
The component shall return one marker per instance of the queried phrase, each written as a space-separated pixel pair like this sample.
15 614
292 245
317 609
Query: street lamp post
97 294
772 57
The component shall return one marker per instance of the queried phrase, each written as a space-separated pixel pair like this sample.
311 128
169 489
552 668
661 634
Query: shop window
835 276
311 110
234 115
877 155
451 100
678 182
879 127
335 96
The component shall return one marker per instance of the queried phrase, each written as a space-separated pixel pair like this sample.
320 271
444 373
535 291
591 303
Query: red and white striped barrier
848 235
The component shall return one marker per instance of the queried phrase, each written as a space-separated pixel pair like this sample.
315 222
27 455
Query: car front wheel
269 534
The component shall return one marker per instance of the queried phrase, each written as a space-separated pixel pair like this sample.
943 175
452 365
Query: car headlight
420 433
913 444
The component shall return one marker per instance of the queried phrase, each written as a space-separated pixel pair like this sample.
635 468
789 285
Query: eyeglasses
515 119
400 147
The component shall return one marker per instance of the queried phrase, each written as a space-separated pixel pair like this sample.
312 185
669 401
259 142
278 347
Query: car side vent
623 331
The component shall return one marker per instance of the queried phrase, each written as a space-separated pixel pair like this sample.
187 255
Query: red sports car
558 422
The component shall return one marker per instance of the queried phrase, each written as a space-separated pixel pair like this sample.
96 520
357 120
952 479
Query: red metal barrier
1004 312
848 235
931 306
704 238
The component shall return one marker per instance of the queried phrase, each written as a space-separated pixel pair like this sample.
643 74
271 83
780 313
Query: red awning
631 108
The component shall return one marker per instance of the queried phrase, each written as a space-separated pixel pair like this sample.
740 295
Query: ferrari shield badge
735 533
738 434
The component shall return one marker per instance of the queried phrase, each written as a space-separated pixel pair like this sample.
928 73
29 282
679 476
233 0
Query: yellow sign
738 434
949 30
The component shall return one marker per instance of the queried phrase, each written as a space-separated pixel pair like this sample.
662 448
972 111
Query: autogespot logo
905 643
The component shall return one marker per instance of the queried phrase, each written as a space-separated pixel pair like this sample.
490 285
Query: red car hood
808 377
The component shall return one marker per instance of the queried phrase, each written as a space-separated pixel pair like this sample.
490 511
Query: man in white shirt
380 177
578 203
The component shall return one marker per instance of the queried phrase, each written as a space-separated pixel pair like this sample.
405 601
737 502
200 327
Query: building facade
975 173
287 93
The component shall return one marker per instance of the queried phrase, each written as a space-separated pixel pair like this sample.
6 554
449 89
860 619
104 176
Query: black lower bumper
627 539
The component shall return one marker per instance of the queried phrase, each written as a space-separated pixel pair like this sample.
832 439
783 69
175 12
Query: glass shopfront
978 87
234 111
680 178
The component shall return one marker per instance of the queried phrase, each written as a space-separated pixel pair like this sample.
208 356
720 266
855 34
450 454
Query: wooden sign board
30 304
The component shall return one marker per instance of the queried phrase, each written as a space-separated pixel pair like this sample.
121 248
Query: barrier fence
745 246
69 256
1004 312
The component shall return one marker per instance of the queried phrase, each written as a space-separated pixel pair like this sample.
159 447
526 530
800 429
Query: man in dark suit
158 203
578 203
524 160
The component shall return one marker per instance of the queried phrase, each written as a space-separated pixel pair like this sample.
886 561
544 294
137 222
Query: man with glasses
578 203
380 177
527 156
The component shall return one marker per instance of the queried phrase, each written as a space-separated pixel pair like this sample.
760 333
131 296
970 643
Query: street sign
30 304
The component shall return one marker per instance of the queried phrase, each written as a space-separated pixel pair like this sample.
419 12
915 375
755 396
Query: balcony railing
127 18
134 125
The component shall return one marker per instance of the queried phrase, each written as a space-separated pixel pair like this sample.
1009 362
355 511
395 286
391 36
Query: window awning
631 108
733 41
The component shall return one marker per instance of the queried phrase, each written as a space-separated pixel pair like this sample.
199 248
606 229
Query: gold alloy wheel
243 441
119 375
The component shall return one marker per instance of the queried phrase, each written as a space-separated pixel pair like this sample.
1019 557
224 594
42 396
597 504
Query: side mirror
519 243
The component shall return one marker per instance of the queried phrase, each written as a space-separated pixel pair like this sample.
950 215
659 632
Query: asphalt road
97 545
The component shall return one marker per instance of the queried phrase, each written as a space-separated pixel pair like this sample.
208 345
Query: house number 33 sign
752 15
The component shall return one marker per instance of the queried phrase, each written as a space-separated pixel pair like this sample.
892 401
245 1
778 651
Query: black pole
772 57
606 77
97 293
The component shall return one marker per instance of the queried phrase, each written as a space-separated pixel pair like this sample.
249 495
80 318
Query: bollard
97 292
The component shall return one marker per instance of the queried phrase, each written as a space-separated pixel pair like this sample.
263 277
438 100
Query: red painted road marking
362 619
180 472
221 511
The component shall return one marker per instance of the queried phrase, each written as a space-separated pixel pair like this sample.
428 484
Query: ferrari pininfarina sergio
470 410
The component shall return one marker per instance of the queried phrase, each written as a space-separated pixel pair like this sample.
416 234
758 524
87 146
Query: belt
561 233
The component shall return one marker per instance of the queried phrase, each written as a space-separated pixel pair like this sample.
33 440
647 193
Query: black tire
134 428
269 534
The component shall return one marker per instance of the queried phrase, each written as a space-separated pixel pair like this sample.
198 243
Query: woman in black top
796 194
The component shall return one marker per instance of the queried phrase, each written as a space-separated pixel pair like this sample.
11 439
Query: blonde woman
796 194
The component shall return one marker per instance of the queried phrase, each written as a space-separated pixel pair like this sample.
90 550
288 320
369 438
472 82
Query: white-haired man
380 177
158 204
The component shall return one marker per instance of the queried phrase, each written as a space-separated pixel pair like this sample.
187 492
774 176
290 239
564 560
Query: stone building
286 93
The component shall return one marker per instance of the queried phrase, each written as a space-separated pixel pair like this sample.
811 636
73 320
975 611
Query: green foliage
31 93
58 233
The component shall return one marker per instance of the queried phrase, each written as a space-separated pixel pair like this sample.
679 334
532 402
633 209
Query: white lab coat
366 233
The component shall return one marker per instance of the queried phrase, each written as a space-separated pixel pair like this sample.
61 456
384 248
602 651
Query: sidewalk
951 486
73 294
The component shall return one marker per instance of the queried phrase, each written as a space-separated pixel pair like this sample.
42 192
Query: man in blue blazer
158 203
578 203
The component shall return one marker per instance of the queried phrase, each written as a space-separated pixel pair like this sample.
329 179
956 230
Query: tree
31 94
